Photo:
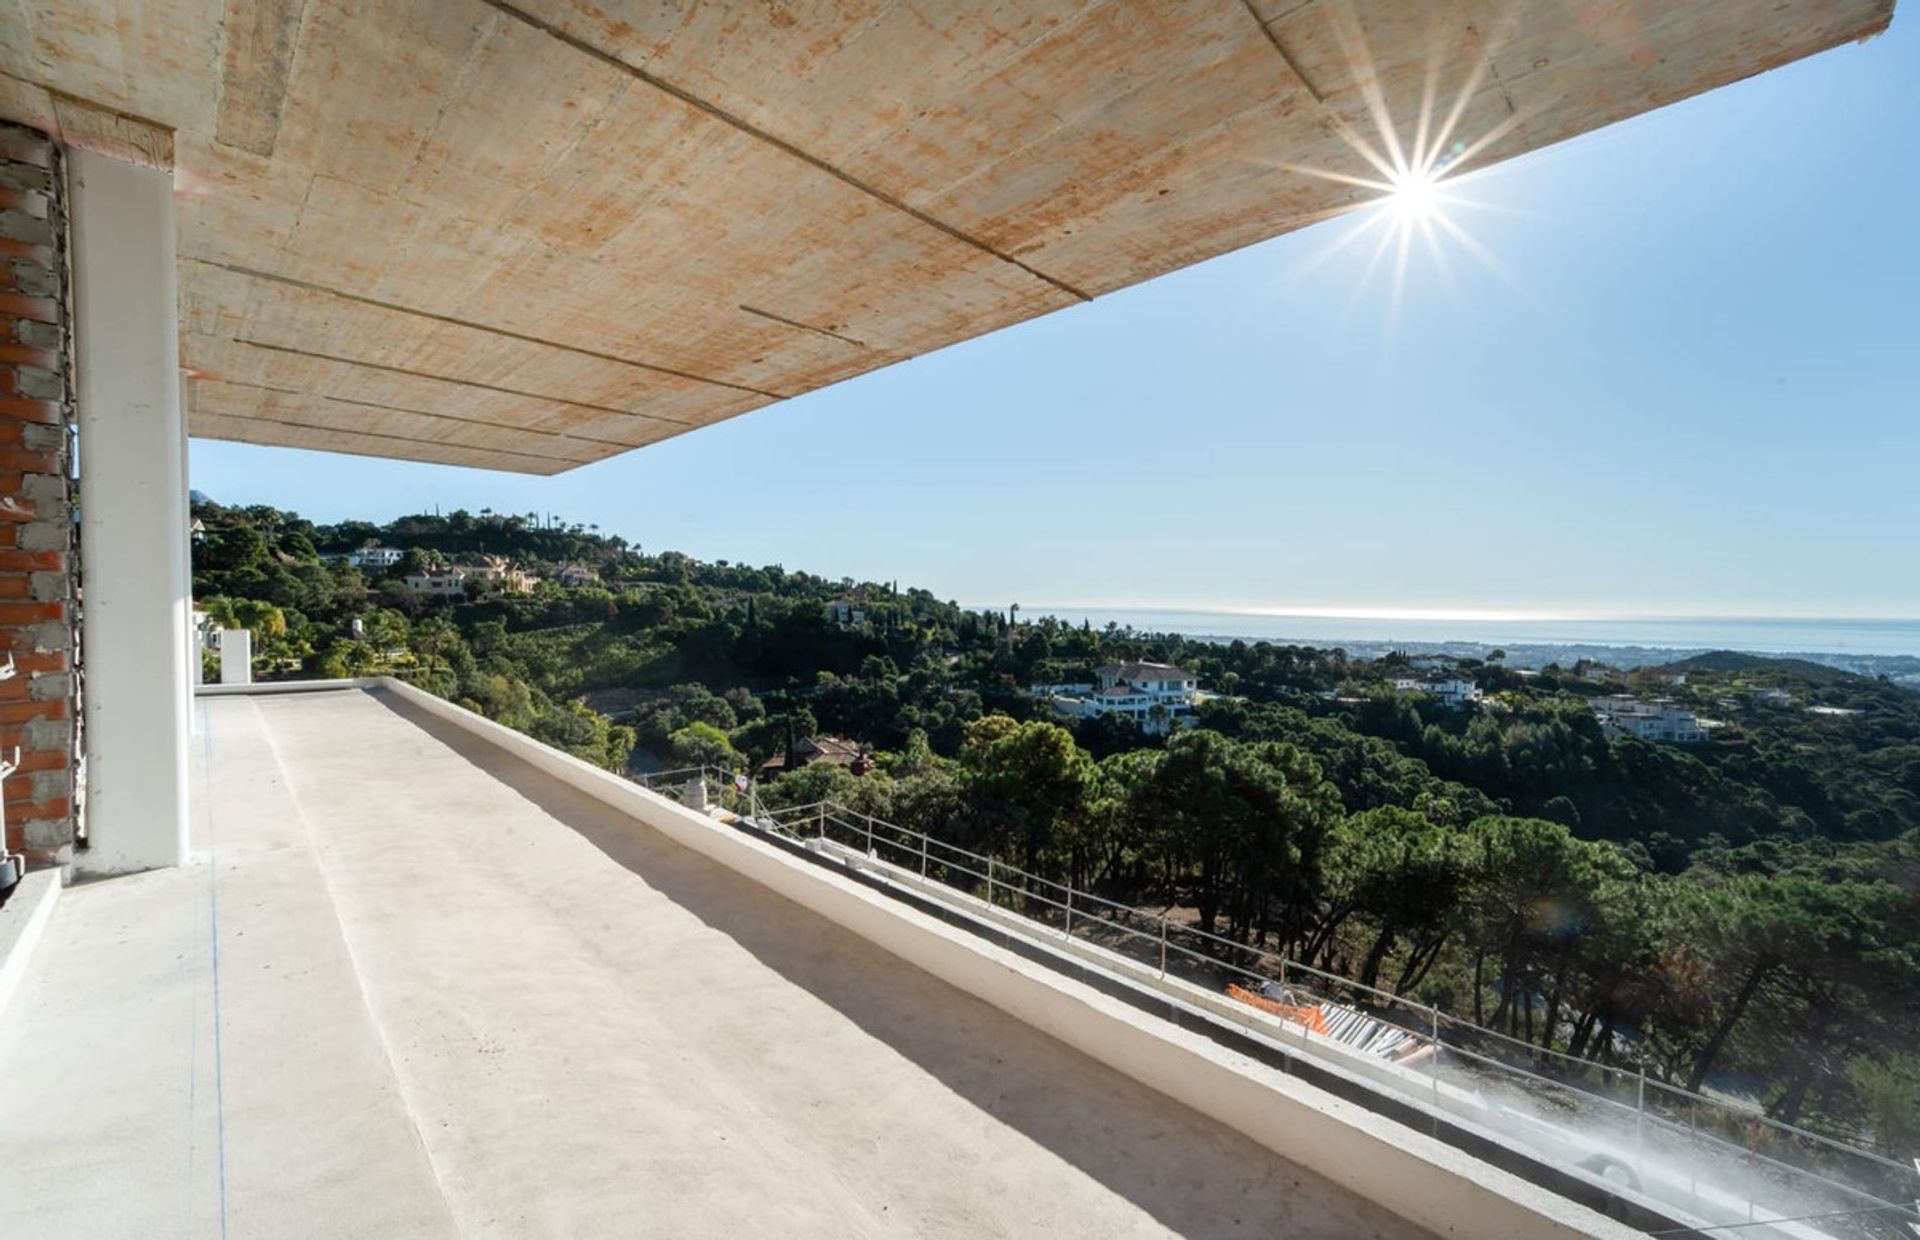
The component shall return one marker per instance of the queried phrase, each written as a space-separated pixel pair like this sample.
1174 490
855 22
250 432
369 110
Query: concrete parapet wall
1421 1179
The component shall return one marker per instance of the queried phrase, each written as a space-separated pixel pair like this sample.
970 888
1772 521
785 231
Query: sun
1415 196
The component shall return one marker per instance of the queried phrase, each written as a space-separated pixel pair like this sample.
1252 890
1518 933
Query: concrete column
133 496
236 657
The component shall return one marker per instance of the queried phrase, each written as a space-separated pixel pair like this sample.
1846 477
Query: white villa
1448 690
376 557
1658 719
1157 696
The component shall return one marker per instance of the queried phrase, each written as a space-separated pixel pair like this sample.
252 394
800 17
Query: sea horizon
1884 637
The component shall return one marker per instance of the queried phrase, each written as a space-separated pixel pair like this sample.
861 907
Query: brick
48 858
36 662
24 228
31 462
48 824
14 586
44 534
31 436
32 712
25 808
42 488
34 383
39 437
36 177
29 613
38 736
26 252
40 336
47 688
25 146
33 309
51 737
42 760
46 785
53 513
50 854
29 202
28 278
17 561
29 355
22 409
53 635
42 835
40 281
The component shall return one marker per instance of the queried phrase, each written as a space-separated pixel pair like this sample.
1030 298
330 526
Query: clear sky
1688 382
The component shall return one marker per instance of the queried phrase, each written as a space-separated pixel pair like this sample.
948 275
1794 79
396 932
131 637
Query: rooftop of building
1144 671
415 985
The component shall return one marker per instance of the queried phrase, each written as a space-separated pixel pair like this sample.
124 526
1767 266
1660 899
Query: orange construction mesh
1308 1015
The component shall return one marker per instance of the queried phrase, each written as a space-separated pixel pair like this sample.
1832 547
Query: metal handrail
1165 935
1083 902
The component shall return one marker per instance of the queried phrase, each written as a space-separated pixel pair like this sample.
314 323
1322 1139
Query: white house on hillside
376 557
1454 691
1157 696
1655 720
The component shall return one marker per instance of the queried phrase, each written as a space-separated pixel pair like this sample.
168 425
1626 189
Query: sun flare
1415 196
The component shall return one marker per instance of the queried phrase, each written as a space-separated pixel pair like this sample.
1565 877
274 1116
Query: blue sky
1688 384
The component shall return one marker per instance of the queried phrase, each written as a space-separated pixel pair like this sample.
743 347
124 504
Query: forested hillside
1743 913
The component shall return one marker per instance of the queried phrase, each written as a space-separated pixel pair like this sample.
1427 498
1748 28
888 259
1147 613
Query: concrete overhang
532 234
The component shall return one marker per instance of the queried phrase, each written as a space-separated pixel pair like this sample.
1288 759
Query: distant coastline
1872 647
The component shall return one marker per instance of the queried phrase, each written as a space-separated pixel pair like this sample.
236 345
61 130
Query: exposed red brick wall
38 706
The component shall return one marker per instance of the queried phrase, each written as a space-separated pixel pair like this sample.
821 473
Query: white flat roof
412 986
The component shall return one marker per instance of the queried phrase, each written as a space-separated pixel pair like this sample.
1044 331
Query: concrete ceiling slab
532 234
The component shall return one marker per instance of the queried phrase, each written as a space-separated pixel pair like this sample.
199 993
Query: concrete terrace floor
412 987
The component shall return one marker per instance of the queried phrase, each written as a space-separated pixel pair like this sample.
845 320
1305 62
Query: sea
1856 643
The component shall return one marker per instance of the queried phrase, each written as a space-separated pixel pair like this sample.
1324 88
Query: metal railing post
1069 912
1433 1060
869 818
1640 1111
923 854
1163 949
989 880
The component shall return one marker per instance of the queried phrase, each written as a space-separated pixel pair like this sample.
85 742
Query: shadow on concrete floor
1194 1176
